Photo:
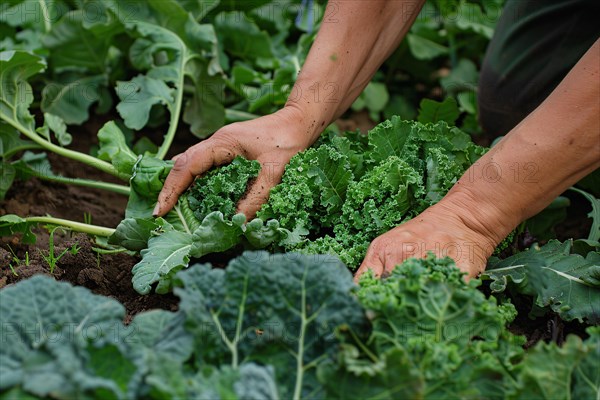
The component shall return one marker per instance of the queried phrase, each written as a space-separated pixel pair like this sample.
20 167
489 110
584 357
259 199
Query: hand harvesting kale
560 137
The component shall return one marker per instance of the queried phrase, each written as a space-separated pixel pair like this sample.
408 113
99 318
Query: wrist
480 214
308 122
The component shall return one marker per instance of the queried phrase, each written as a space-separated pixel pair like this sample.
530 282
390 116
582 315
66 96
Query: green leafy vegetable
220 190
285 326
557 278
433 336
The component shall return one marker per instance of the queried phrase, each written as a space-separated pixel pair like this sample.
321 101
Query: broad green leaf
280 310
7 176
547 371
138 96
11 142
73 47
423 48
56 125
472 17
433 111
215 234
463 76
16 67
594 214
49 325
11 224
168 251
260 234
241 37
159 333
72 97
39 15
147 179
541 225
133 233
204 111
554 277
113 148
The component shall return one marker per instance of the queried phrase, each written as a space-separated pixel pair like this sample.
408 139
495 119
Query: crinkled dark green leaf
554 278
281 310
547 371
50 326
438 336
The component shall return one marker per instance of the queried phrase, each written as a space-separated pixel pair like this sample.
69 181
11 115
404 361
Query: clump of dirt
104 274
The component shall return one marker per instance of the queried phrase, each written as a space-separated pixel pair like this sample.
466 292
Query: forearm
554 147
355 38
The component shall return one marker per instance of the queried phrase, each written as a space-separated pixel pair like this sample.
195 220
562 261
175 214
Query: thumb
193 162
258 192
371 262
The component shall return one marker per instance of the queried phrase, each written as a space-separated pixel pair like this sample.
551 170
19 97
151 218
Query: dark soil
104 274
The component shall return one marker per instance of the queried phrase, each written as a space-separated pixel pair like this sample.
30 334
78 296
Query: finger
258 192
371 262
193 162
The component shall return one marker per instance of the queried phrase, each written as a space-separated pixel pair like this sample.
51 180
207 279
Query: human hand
272 140
441 229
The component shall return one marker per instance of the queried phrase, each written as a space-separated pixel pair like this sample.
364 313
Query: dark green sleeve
535 45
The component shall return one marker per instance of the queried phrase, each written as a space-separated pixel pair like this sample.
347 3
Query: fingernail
156 210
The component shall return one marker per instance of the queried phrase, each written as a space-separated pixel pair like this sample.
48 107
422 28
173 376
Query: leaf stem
74 226
72 154
232 115
300 352
112 187
45 15
174 120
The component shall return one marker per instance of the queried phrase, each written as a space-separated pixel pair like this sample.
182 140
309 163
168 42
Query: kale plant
285 326
334 198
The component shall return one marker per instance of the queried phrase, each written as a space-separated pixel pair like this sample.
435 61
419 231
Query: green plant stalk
594 214
112 187
45 15
15 150
174 120
300 354
238 116
72 154
74 226
12 269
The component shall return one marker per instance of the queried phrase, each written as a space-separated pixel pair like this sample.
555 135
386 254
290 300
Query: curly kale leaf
433 336
222 188
312 191
396 172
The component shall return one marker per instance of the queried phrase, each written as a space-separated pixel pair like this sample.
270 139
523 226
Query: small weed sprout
52 259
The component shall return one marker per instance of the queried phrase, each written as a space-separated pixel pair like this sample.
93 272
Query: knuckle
181 162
